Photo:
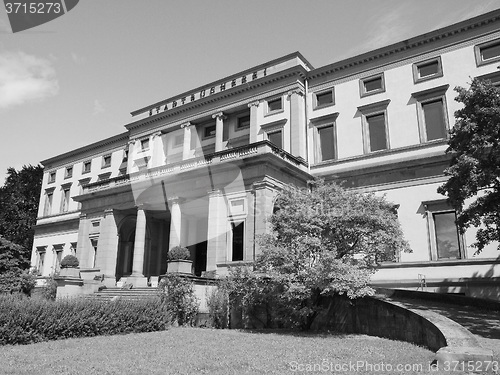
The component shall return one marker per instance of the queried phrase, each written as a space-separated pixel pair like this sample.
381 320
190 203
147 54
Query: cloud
25 78
98 107
77 59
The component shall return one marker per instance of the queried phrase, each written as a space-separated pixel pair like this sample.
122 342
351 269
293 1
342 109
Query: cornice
103 146
407 45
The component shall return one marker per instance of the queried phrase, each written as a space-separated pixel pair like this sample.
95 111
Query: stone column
217 230
83 244
186 146
254 128
219 130
297 124
264 194
130 158
156 149
175 222
108 246
137 275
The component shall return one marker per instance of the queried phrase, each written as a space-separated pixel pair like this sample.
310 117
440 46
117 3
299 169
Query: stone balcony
213 159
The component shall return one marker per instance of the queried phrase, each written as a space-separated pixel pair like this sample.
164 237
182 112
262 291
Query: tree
326 240
12 261
474 171
19 205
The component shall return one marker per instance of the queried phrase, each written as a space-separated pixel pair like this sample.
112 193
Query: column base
138 281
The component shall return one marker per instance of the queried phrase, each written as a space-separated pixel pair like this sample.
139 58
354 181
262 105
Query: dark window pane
243 122
209 131
428 69
446 235
434 120
276 138
324 98
225 131
327 143
373 84
237 241
274 105
376 129
490 52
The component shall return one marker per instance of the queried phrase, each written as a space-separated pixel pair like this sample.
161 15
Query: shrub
27 320
178 253
70 261
27 282
177 294
218 307
49 290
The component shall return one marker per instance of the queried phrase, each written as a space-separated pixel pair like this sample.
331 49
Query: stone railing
242 152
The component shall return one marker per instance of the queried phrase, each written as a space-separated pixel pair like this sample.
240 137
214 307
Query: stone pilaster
108 245
186 146
83 244
297 124
175 222
137 276
217 230
219 130
254 127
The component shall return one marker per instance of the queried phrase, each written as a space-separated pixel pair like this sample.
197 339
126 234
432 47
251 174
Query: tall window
106 161
94 252
237 231
327 149
87 165
445 239
40 250
431 113
65 200
47 209
276 137
375 127
58 250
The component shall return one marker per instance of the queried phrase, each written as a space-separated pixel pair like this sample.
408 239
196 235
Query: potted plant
178 260
69 267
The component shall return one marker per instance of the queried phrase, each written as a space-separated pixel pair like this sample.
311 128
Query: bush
218 307
27 282
26 320
178 253
177 294
49 290
70 261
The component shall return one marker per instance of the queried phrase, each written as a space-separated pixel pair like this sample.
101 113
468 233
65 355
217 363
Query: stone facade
202 169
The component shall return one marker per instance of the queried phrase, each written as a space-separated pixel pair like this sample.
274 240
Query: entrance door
200 263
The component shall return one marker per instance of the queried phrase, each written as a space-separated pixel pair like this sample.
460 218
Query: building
202 169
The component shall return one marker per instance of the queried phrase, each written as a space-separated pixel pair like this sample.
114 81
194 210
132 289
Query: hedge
28 320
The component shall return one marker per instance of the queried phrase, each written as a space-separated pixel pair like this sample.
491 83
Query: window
237 231
94 252
487 53
371 85
178 140
327 149
276 137
431 113
145 144
125 156
494 78
58 250
69 172
209 131
375 129
52 177
47 209
41 250
87 166
106 161
65 199
445 239
243 122
428 69
324 99
274 105
73 246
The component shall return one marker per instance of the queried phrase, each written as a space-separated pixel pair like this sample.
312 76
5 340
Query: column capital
219 116
132 142
83 216
156 134
140 206
175 200
295 91
108 211
214 193
186 125
254 104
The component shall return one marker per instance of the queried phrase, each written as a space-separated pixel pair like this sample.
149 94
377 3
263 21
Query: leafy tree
474 171
12 262
326 240
19 205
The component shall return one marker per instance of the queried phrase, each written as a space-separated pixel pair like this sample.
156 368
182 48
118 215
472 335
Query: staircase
133 294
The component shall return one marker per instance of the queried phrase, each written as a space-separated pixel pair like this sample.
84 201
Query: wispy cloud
24 78
77 58
98 107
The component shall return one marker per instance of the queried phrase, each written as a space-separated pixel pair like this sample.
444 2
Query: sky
74 80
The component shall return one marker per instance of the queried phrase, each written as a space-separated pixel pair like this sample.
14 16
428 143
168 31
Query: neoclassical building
202 169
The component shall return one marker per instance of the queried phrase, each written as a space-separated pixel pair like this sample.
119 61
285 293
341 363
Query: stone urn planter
178 260
69 267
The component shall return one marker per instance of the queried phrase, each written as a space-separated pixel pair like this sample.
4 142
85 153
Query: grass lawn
206 351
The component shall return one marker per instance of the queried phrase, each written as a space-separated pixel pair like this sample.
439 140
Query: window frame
371 110
239 121
40 261
320 123
89 163
175 138
65 198
428 96
270 112
362 85
49 200
68 172
322 92
493 77
205 128
274 131
104 164
145 144
51 177
416 73
441 207
233 224
478 48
